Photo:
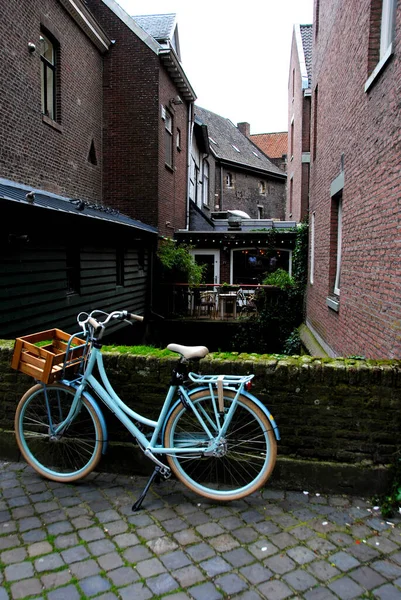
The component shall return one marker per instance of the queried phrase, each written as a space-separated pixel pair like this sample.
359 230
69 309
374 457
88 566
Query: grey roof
16 192
160 27
307 42
228 143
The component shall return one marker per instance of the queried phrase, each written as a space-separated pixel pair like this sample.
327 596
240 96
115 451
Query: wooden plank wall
33 274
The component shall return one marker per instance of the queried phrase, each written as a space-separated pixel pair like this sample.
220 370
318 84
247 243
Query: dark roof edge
253 169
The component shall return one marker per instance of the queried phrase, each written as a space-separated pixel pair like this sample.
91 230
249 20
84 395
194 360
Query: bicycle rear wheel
246 457
68 456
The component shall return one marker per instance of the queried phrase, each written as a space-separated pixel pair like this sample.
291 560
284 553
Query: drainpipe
189 150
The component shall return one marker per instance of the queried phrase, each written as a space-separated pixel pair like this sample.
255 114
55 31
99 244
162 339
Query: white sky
235 55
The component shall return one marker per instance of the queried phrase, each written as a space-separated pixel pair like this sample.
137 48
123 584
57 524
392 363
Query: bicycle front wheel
67 456
245 457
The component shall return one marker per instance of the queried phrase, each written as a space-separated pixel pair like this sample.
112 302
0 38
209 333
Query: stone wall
339 419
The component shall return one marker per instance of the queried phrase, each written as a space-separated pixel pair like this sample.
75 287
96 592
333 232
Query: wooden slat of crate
44 362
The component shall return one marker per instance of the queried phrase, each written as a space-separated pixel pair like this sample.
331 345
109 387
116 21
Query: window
205 189
292 139
260 211
315 109
335 244
293 84
312 249
48 53
168 139
386 26
178 139
262 187
291 197
316 19
229 180
73 270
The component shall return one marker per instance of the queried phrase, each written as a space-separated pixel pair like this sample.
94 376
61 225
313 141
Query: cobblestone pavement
61 541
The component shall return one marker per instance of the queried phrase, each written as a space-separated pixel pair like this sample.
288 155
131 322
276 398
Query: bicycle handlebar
98 326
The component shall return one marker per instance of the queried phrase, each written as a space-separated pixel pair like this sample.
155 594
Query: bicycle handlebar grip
135 317
94 323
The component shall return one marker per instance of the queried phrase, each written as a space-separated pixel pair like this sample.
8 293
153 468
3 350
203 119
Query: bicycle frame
125 414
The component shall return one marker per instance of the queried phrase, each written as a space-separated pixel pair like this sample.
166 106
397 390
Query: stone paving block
367 577
82 522
320 546
205 591
302 532
84 569
63 593
301 555
231 522
200 552
231 583
94 585
197 518
300 580
283 540
13 556
280 563
188 576
35 535
66 541
152 566
29 523
319 593
245 535
219 512
39 548
162 545
175 560
9 542
179 596
164 513
125 540
186 536
344 561
388 592
363 552
386 568
150 532
162 584
110 561
256 573
75 554
18 571
26 588
382 544
59 528
136 554
215 566
92 534
223 543
137 590
239 557
53 580
22 512
49 563
275 590
346 588
209 530
341 539
323 570
115 527
123 576
173 525
107 515
101 547
285 520
262 549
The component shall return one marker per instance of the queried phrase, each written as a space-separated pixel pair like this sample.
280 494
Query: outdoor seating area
220 302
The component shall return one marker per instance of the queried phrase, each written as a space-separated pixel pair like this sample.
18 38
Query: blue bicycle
216 437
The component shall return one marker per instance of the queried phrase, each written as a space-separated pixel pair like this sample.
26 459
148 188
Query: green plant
293 344
178 263
390 501
280 278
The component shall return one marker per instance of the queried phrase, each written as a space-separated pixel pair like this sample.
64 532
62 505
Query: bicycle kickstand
157 475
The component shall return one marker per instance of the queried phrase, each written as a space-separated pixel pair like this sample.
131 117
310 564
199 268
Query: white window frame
205 183
339 238
387 26
312 249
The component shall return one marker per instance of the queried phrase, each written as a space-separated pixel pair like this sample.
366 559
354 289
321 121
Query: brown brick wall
32 151
364 127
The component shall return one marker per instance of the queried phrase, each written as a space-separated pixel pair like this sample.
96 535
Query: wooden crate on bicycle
42 355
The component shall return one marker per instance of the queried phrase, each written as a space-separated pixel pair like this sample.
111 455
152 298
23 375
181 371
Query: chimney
245 129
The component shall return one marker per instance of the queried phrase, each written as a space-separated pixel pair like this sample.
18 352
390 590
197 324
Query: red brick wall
299 115
136 85
31 151
366 128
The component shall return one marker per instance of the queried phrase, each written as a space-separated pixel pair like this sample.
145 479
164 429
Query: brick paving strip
68 542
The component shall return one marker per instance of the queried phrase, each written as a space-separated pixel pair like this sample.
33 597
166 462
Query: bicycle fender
244 393
98 412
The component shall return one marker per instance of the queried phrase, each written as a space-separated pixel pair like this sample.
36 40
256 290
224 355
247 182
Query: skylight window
213 141
256 154
235 148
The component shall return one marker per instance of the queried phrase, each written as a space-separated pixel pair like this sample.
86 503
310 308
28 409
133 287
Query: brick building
299 107
353 296
148 103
